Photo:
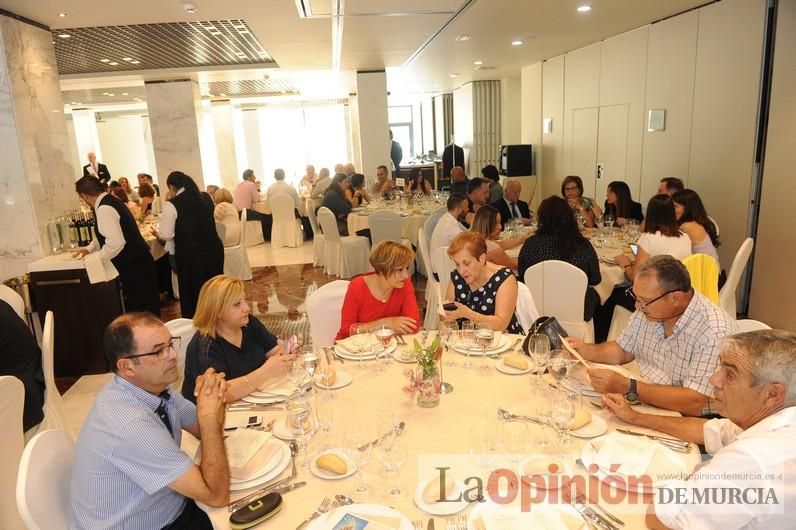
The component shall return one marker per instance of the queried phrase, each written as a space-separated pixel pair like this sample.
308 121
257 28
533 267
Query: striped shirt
689 356
125 458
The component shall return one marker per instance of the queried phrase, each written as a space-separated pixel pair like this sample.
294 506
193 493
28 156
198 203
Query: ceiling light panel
104 95
155 46
249 87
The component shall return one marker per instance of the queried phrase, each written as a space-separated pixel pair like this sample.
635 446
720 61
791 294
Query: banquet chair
236 260
12 442
12 298
183 328
443 264
221 230
286 230
526 307
324 308
559 290
727 293
704 273
747 324
345 256
428 230
317 239
386 226
43 484
54 411
715 225
431 320
619 322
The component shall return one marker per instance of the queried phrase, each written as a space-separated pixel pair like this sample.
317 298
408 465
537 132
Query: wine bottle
73 230
82 228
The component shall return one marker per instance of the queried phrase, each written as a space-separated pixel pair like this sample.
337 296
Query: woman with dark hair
188 220
572 191
558 238
336 200
147 194
356 194
417 184
490 173
487 223
694 221
620 204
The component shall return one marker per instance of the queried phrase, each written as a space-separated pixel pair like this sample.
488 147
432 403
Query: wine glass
361 342
448 334
484 337
539 348
483 444
358 449
608 219
562 413
558 366
514 438
309 360
299 421
385 424
393 455
324 413
466 341
384 336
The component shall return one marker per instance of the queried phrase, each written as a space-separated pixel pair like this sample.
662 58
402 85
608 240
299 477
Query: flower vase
428 384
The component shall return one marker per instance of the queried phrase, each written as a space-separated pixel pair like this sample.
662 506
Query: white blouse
656 244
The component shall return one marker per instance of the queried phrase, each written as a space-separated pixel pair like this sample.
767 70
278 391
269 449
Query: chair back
704 272
747 324
54 412
12 298
425 252
183 328
558 289
433 295
221 230
324 308
526 308
286 231
433 219
727 293
328 224
443 264
242 242
384 226
313 219
45 477
12 442
715 225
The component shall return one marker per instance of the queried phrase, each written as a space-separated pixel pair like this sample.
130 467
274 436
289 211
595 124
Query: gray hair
279 174
671 273
508 183
247 174
773 352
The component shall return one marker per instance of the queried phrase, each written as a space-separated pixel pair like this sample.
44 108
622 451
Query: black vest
196 227
134 244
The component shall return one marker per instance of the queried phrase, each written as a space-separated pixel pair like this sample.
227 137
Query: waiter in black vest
119 240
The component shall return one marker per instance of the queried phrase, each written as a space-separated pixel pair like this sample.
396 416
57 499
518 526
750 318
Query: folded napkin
98 269
349 345
247 450
633 454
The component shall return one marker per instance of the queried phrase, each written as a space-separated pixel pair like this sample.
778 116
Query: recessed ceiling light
111 94
127 58
478 63
62 15
516 43
135 62
223 95
462 38
584 9
105 94
113 63
64 35
73 103
189 8
124 93
105 60
453 75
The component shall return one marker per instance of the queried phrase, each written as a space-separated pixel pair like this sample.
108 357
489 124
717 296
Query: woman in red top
384 297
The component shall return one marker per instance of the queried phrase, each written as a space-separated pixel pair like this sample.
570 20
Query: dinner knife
259 493
654 437
397 430
289 487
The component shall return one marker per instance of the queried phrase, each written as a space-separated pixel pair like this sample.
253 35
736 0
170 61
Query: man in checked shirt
674 334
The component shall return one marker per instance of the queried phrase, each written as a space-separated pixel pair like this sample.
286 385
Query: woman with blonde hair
384 297
226 213
230 341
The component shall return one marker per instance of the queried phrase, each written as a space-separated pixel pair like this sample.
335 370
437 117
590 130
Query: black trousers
191 518
139 281
603 314
196 265
266 222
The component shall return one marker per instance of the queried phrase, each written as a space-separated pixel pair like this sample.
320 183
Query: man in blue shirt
129 471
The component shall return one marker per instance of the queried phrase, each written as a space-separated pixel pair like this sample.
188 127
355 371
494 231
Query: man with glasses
129 471
674 335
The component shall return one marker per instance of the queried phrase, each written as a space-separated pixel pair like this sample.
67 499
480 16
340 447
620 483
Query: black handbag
549 326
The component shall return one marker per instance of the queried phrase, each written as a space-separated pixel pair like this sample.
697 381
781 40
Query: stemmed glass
358 448
539 348
392 452
562 415
484 337
309 360
383 335
299 420
608 219
483 445
324 413
558 366
514 438
466 340
361 337
446 334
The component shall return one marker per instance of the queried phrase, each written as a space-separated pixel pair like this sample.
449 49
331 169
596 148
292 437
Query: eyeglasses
642 305
162 352
571 188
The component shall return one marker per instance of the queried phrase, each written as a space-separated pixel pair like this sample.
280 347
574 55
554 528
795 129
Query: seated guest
558 238
225 212
384 297
620 204
145 178
674 334
308 180
459 181
572 191
483 292
129 471
670 185
510 206
147 194
417 184
477 194
694 221
131 193
322 184
211 190
490 173
751 447
384 184
245 195
356 192
487 223
228 340
449 225
20 357
120 194
336 200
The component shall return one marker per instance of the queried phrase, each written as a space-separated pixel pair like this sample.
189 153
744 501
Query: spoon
506 415
342 500
294 449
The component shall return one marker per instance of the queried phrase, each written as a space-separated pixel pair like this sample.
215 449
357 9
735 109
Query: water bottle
55 239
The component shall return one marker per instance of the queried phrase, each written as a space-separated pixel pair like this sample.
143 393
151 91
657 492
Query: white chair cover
12 298
45 476
12 442
286 230
428 228
318 258
54 411
386 226
345 256
221 230
236 260
619 322
431 320
715 225
526 307
183 328
747 324
443 264
559 290
727 292
254 233
324 311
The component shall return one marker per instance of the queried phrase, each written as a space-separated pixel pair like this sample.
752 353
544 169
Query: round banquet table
435 436
411 222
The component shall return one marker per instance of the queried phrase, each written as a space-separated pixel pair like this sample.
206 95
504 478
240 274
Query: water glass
309 360
393 455
539 348
361 342
562 413
558 366
484 444
358 449
514 439
300 422
324 413
383 336
484 337
448 337
466 341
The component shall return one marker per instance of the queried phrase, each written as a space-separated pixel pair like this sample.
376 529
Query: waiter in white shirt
96 170
120 241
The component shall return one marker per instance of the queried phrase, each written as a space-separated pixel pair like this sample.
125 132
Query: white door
611 151
583 154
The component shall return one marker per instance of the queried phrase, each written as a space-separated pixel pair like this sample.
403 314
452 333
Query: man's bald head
457 174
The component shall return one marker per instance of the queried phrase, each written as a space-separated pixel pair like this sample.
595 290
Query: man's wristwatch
632 394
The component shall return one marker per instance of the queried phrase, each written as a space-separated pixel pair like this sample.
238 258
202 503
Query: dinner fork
462 519
322 508
418 524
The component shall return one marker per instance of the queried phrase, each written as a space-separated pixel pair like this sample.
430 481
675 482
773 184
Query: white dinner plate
571 515
329 520
409 360
368 356
281 464
283 432
597 427
343 379
500 366
264 397
328 475
439 508
503 343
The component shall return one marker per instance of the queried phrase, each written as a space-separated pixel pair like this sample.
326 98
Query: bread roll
332 462
432 490
516 360
328 376
542 466
582 418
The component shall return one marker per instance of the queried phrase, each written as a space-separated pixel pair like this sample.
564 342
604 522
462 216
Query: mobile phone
449 306
242 422
634 249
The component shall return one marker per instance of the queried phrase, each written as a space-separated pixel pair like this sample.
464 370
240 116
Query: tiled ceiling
104 95
249 87
153 46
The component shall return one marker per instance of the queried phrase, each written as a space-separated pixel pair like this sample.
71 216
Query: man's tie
161 411
514 212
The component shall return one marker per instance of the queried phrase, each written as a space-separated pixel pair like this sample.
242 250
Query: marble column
374 131
353 127
173 108
225 144
86 135
36 173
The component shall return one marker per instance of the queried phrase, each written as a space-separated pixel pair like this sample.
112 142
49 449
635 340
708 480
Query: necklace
379 293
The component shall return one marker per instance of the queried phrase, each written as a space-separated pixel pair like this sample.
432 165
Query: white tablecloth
410 224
